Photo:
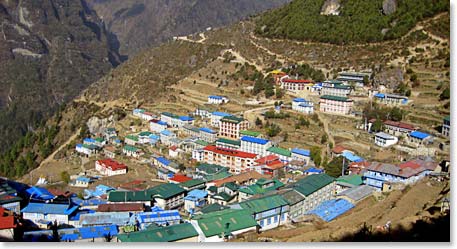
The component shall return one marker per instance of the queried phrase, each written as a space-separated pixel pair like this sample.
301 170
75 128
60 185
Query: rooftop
254 140
250 133
263 204
280 151
49 208
232 119
336 98
161 234
228 141
301 152
226 221
312 183
419 135
229 152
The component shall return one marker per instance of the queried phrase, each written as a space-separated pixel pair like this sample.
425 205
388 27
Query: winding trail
50 158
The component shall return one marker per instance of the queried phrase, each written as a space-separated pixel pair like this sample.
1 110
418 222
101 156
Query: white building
166 136
231 126
198 155
175 120
255 145
217 100
38 212
157 125
384 140
110 167
86 149
208 135
216 118
303 106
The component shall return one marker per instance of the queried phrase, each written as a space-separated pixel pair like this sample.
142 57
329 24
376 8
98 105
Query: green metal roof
292 197
355 180
229 141
263 204
448 118
131 148
144 133
231 185
163 191
99 139
212 208
161 234
258 188
250 133
216 223
232 119
171 115
336 98
220 175
312 183
166 190
192 183
132 137
280 151
202 142
211 168
223 196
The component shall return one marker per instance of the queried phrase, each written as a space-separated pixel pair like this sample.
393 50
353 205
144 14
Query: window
261 223
276 219
268 221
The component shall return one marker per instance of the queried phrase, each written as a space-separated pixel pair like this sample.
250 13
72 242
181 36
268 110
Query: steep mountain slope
50 50
143 23
343 22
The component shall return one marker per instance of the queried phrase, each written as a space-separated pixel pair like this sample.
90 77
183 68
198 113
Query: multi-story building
269 212
208 135
110 167
87 149
339 90
231 126
301 155
284 154
236 161
335 104
157 125
381 175
176 121
255 145
228 143
417 139
166 136
204 111
357 77
217 116
296 85
131 139
398 128
446 131
391 99
384 140
303 105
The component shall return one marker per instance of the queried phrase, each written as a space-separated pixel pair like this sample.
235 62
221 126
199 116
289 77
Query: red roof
400 125
180 178
298 81
229 152
124 207
6 222
58 192
173 148
275 165
267 159
154 120
113 165
241 178
338 149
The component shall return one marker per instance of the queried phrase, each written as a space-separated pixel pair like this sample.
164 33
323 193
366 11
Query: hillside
344 22
139 24
50 51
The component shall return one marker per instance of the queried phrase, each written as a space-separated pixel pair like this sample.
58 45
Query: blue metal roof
207 130
214 97
83 179
166 132
77 215
89 140
38 236
160 122
352 157
116 218
195 195
254 140
306 105
301 152
49 208
97 231
163 161
159 217
39 193
380 95
329 210
299 100
222 114
419 135
313 170
186 118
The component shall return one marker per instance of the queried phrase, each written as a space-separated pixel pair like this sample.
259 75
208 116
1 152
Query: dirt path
50 158
243 60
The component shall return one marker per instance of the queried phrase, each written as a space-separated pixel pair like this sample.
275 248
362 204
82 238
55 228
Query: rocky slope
142 23
50 51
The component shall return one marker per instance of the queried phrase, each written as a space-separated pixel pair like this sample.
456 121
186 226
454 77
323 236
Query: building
313 189
284 154
109 133
231 126
391 99
121 207
157 125
7 225
217 116
228 143
398 128
82 182
166 136
255 134
87 149
143 114
217 100
380 175
48 212
158 217
198 155
191 130
270 165
334 104
223 194
261 187
339 90
166 164
211 172
219 226
177 179
99 142
170 118
184 232
204 111
236 161
255 145
195 199
269 212
144 137
132 151
208 135
193 184
446 130
303 106
301 155
243 179
296 85
346 182
131 140
110 167
357 77
418 139
110 151
384 140
9 198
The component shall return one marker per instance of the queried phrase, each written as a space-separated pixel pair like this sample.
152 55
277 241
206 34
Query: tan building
231 126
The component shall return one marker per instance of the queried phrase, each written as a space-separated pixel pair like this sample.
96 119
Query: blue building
195 198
